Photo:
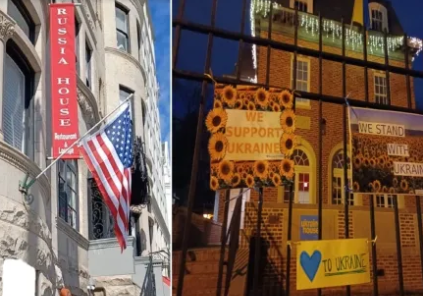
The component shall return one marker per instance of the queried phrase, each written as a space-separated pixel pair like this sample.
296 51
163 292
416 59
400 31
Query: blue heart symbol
311 264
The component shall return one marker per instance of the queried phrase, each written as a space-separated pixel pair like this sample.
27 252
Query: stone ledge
72 233
108 243
24 164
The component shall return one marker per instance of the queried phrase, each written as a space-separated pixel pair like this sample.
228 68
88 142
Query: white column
7 29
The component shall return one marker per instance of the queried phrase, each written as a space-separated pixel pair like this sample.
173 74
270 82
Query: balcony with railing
283 22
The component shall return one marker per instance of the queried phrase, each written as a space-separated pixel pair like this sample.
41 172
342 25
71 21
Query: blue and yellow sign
309 227
332 263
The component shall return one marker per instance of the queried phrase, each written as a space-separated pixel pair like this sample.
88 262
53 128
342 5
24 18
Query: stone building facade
61 228
307 181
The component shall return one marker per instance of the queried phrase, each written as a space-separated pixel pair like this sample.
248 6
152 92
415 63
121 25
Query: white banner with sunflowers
387 151
252 137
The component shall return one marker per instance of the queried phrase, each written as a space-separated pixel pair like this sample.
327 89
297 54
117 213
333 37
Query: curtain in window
14 105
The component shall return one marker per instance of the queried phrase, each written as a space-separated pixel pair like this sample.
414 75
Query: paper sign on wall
309 227
332 263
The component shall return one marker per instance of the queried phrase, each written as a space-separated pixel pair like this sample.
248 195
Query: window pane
121 20
13 104
88 56
122 41
14 12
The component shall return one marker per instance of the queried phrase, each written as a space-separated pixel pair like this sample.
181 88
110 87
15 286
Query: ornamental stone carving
7 27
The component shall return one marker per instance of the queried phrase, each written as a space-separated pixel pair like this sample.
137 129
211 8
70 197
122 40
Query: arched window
301 180
378 17
338 180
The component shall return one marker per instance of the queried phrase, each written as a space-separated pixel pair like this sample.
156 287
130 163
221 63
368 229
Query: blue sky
160 12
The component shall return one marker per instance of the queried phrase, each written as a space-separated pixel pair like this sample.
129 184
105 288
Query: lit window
68 191
384 200
378 17
301 180
122 28
381 90
377 20
300 5
338 180
302 78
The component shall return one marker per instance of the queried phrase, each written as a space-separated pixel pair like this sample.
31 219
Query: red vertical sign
63 80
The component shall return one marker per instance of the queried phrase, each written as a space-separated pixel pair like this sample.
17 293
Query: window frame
125 10
339 173
88 70
23 10
382 9
309 4
17 55
386 197
301 102
379 97
77 44
65 164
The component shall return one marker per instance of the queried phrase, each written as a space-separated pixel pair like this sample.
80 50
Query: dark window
377 20
19 13
88 65
139 41
68 191
301 5
17 94
122 26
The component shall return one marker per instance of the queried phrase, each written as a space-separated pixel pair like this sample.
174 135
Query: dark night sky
193 46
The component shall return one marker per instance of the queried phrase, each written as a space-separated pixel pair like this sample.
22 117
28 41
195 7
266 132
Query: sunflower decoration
287 168
288 144
276 108
235 180
214 183
249 181
356 187
229 94
261 169
371 187
226 169
246 102
286 99
395 182
261 98
385 189
217 146
251 106
217 104
372 162
271 173
404 185
244 175
216 120
392 190
239 104
239 168
358 159
381 161
377 186
276 179
288 121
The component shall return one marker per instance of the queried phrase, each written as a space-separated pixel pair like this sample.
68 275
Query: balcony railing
308 30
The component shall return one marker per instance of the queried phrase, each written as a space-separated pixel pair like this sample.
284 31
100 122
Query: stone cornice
108 243
24 164
7 26
128 57
88 104
72 233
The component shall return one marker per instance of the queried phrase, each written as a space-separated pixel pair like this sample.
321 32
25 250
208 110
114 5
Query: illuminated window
302 78
384 200
300 5
381 89
378 17
301 179
338 180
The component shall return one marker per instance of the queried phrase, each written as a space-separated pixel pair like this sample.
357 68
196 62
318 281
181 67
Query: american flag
108 154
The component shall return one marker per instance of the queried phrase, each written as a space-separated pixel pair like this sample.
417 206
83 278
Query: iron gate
212 31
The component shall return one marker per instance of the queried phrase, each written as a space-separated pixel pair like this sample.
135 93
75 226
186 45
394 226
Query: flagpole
24 188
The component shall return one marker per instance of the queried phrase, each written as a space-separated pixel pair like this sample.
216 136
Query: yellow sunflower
356 187
235 180
239 168
286 99
392 190
288 144
214 183
287 168
276 179
404 185
249 181
226 169
377 186
372 162
371 187
246 101
271 173
251 106
216 119
385 189
229 94
288 121
238 104
261 169
261 97
217 146
395 182
244 175
217 104
276 108
358 159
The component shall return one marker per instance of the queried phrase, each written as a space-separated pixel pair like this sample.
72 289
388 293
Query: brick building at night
381 17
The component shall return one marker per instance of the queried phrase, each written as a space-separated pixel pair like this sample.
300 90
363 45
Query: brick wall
203 232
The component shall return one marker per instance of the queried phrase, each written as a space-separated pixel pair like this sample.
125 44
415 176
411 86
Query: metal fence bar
241 42
177 36
388 80
398 243
407 76
320 206
260 41
420 227
258 243
196 156
289 237
269 36
223 240
345 131
366 73
374 253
